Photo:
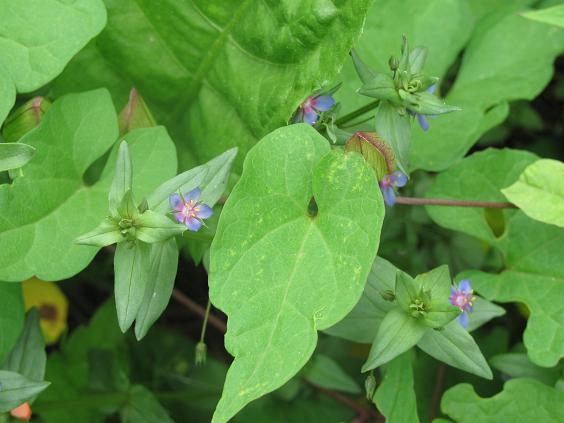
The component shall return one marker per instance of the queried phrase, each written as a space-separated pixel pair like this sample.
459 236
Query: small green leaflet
17 389
539 192
280 270
14 155
552 15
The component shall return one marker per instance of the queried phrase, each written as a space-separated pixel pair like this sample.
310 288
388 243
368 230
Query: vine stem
356 113
414 201
438 390
196 308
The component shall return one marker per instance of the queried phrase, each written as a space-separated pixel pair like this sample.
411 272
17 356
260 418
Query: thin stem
414 201
205 324
196 308
356 113
438 391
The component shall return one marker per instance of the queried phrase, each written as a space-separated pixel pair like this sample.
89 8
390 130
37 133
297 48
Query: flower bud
374 150
135 114
388 295
25 118
370 385
22 412
393 63
201 353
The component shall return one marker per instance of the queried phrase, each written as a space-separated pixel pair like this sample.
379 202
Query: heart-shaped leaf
59 205
294 246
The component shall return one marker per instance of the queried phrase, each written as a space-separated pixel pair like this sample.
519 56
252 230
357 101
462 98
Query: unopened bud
393 63
374 150
201 353
370 385
388 295
22 412
135 114
25 118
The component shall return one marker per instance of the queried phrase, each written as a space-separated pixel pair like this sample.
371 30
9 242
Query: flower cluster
189 210
463 298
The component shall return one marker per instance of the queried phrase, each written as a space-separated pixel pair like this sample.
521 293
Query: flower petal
193 195
432 89
193 224
175 202
423 122
179 216
398 179
203 211
389 196
323 103
463 319
310 116
465 286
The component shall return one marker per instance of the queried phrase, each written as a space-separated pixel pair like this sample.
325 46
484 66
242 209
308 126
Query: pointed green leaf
17 389
107 233
397 333
131 269
395 396
539 192
325 372
417 58
135 114
164 263
14 155
551 15
11 316
482 312
395 129
143 407
521 401
454 346
154 227
308 268
121 182
25 118
381 87
75 132
361 324
28 356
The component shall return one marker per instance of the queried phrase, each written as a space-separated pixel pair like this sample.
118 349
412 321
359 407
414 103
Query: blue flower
422 119
187 209
388 183
311 108
463 298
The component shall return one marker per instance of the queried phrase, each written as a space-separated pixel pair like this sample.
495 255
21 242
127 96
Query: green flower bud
374 150
135 114
388 295
201 353
370 385
393 63
25 118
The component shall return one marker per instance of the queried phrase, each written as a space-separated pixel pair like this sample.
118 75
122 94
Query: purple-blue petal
179 216
463 319
193 224
175 201
432 89
203 211
323 103
310 116
465 286
453 290
422 119
389 196
193 195
398 179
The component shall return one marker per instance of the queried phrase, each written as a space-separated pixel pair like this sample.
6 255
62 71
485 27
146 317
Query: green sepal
397 333
14 155
127 209
365 73
381 87
417 59
440 314
106 233
426 103
406 291
395 129
154 227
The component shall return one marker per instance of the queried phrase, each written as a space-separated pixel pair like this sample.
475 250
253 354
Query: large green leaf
11 316
59 204
283 268
143 407
37 40
534 272
516 364
539 192
226 73
17 389
521 401
492 72
395 396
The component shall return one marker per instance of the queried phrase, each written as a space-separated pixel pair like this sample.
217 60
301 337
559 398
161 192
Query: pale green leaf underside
279 274
77 130
521 401
534 271
228 72
39 37
539 192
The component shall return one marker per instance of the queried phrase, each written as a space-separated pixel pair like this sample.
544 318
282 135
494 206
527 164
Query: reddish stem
413 201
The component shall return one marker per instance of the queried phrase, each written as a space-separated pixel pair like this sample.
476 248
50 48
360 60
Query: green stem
356 113
205 323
